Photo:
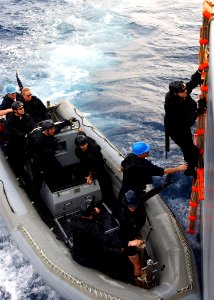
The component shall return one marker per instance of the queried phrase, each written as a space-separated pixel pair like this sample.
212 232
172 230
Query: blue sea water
114 61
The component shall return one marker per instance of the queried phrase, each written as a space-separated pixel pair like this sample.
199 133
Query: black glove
202 102
73 119
202 105
168 180
66 123
192 118
201 110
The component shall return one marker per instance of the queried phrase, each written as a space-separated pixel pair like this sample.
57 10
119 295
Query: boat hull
53 261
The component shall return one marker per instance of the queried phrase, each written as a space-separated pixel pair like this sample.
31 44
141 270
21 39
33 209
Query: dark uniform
36 108
17 129
92 161
131 222
137 173
95 249
180 115
6 102
41 148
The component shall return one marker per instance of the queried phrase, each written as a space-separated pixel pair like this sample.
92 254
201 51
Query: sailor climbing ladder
197 193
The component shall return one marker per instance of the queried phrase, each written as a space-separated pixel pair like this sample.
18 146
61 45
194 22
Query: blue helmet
140 148
10 89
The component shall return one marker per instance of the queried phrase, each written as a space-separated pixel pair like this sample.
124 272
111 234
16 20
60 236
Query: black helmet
87 207
16 105
80 140
131 199
177 86
47 124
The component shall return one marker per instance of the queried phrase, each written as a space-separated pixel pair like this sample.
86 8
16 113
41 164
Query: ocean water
114 61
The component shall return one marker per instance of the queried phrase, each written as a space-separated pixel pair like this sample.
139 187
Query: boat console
67 198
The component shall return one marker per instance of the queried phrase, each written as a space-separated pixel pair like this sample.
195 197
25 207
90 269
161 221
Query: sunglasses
28 95
20 108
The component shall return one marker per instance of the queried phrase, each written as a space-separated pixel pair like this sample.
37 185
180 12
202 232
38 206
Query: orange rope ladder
197 193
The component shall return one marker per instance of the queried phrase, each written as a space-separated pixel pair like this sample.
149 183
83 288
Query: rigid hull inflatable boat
46 241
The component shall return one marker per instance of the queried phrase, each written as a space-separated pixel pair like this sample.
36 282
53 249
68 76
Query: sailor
138 171
93 248
18 126
11 96
34 106
132 216
181 112
91 158
41 149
